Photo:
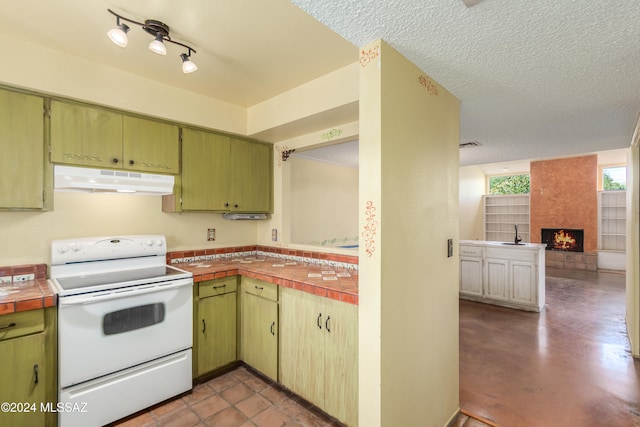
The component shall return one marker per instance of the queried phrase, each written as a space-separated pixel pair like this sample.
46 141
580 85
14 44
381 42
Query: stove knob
62 249
74 247
149 242
159 242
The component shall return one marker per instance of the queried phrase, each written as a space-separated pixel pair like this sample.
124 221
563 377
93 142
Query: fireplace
563 239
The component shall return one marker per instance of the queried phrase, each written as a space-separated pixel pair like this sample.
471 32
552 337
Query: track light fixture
187 65
159 31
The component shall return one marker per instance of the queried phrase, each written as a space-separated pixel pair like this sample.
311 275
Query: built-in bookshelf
612 223
502 212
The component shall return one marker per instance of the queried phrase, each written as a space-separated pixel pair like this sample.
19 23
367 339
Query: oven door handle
122 292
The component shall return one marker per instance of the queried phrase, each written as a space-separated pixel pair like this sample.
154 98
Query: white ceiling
536 79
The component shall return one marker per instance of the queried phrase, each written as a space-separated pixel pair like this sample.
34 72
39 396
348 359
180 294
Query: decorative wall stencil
429 84
370 228
333 133
283 153
368 56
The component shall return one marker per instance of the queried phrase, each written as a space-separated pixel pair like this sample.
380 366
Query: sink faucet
517 239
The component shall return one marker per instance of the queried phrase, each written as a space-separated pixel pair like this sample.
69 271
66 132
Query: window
614 178
509 184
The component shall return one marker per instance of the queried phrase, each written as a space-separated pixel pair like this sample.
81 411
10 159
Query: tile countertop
323 280
503 244
28 295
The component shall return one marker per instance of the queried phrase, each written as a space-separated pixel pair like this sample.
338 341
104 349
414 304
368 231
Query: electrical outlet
5 279
23 277
211 234
274 234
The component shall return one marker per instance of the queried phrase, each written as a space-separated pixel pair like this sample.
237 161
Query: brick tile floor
239 398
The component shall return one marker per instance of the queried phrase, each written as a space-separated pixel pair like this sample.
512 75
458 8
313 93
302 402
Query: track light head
157 45
187 65
118 35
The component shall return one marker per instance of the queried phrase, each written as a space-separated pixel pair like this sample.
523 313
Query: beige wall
408 298
324 203
26 236
472 188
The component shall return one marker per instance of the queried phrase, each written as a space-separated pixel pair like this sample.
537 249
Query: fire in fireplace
563 239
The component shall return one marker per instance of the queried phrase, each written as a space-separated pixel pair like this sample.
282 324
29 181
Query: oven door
104 332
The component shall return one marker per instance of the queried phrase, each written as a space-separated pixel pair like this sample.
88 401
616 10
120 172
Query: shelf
502 212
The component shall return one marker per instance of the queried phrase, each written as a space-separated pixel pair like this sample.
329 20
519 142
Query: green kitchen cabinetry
205 171
91 136
22 141
222 174
251 176
259 331
319 352
215 325
27 362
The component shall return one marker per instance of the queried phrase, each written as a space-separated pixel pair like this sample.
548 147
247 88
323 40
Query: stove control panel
106 248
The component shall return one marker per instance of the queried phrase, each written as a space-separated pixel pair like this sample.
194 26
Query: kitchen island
503 273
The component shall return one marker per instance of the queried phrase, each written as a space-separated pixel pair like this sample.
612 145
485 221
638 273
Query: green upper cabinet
205 171
90 136
251 176
85 136
223 174
151 146
22 145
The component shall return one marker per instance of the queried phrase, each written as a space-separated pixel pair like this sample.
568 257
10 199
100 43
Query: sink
513 244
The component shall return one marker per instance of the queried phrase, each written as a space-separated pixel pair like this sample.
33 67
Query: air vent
470 144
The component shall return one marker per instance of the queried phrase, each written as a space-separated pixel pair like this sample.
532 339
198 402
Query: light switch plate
449 248
274 234
211 234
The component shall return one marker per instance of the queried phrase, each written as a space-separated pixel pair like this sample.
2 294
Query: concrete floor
570 365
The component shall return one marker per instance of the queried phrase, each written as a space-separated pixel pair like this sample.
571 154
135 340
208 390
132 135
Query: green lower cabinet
319 352
215 331
259 337
24 380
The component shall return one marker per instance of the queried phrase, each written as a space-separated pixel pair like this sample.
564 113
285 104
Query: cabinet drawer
516 254
217 287
259 288
470 251
22 323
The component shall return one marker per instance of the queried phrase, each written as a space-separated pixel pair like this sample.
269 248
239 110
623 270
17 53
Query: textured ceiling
541 78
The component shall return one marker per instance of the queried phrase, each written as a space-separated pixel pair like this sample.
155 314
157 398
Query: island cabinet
471 270
215 324
259 330
91 136
222 174
319 352
22 163
28 380
507 275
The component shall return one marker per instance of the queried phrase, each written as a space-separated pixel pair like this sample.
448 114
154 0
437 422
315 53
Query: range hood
70 178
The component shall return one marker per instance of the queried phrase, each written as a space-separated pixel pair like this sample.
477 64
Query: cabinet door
150 146
205 171
496 279
251 176
260 334
23 373
216 332
22 145
341 361
302 344
85 136
523 282
471 276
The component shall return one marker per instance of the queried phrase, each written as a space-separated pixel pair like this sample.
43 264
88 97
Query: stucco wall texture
564 194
